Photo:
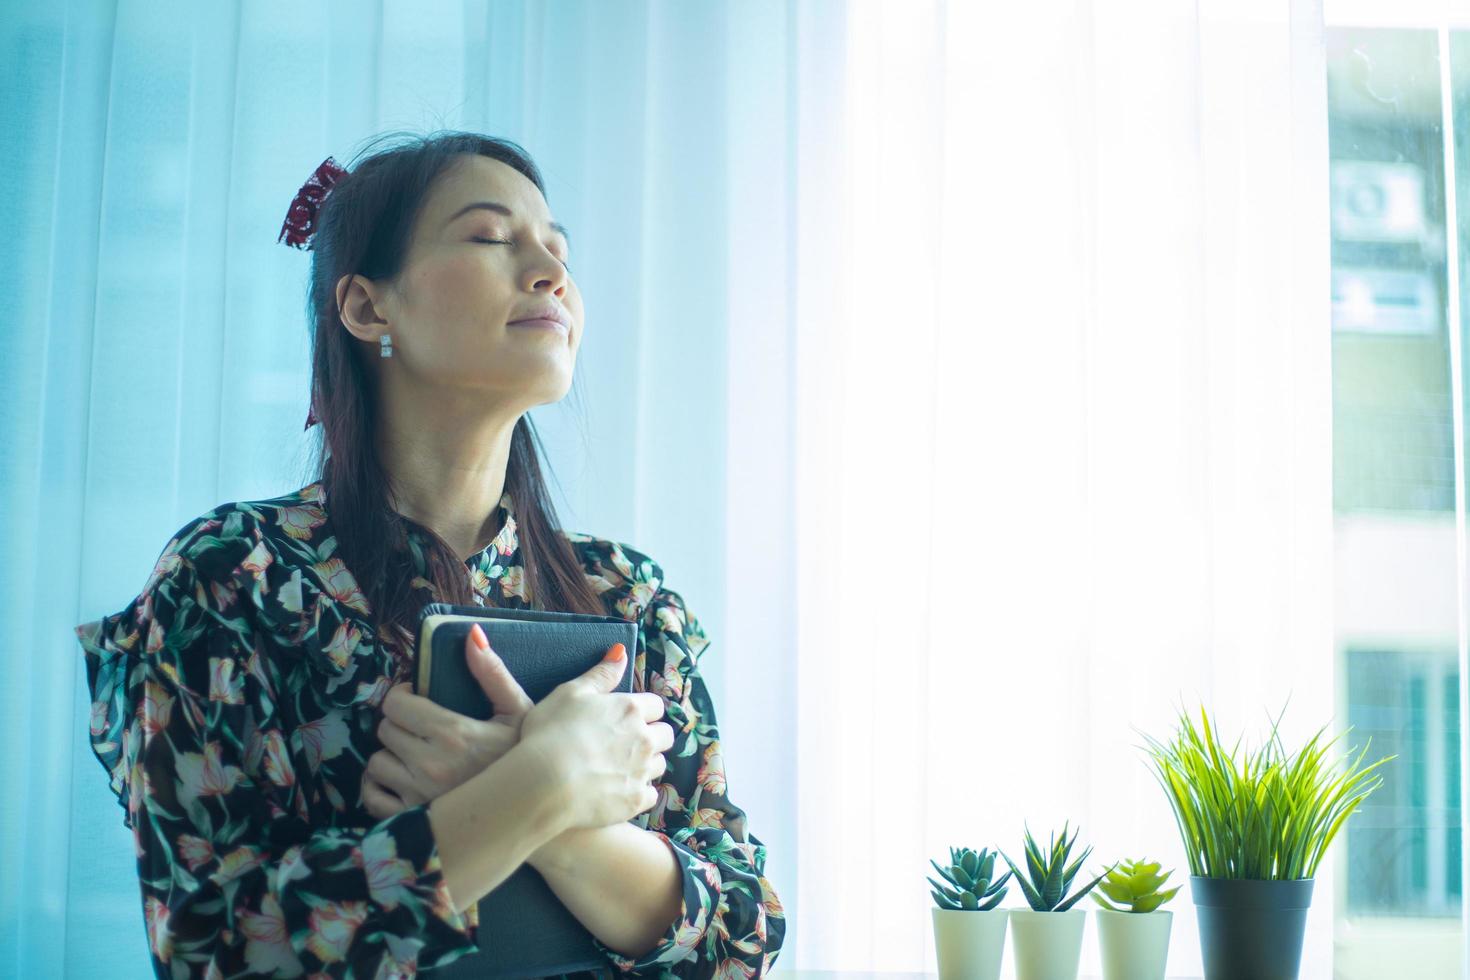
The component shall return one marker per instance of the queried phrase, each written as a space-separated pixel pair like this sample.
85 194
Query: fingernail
478 635
618 652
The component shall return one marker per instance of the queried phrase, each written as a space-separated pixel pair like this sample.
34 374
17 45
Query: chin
551 389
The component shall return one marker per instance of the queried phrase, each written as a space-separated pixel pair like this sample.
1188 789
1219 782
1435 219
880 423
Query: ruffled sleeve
235 881
731 922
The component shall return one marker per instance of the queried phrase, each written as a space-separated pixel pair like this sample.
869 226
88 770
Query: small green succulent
970 875
1136 885
1051 876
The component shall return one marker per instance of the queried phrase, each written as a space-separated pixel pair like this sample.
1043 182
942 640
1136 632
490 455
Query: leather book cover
524 931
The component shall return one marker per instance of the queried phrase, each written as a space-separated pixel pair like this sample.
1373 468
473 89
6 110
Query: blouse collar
495 571
504 545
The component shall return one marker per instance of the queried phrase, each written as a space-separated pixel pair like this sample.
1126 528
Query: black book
525 930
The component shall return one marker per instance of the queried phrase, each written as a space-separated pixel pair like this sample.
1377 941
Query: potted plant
1135 932
1255 831
969 931
1048 937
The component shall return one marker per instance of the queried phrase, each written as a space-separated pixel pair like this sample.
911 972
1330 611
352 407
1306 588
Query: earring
385 346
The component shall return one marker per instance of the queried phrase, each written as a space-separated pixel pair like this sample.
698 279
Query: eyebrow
555 226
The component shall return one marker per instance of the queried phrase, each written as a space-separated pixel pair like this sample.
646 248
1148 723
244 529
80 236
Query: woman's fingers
507 698
405 744
378 801
385 768
417 714
663 736
650 705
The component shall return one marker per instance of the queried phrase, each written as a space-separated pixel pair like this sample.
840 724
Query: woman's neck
450 479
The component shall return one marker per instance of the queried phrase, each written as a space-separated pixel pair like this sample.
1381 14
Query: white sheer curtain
1064 435
966 365
155 347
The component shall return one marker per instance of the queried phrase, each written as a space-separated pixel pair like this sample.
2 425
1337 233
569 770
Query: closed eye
505 241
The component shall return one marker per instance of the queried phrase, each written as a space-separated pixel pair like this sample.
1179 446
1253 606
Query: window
1396 338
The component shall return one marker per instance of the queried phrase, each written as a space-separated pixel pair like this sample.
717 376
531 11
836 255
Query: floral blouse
234 706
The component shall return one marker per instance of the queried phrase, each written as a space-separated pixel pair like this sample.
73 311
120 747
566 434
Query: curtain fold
966 366
157 358
1063 457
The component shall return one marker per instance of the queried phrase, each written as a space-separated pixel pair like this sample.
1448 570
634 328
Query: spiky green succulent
971 888
1051 875
1134 884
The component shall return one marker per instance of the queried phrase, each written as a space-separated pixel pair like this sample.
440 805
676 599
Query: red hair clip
301 217
300 224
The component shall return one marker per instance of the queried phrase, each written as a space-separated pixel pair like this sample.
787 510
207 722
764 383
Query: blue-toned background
155 348
989 378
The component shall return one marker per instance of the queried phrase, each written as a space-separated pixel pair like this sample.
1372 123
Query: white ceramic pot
1135 945
1048 945
969 944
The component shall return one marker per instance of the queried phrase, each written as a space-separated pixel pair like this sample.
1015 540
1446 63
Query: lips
540 324
554 313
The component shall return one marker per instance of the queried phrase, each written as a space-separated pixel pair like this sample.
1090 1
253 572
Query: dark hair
364 228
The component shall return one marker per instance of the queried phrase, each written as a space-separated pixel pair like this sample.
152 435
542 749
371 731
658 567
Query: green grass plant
1267 815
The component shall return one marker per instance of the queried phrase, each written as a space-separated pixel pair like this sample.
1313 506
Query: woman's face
470 272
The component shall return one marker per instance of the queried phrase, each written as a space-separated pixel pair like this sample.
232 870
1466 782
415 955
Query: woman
296 808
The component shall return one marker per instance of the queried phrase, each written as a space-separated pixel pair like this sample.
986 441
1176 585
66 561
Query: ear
359 305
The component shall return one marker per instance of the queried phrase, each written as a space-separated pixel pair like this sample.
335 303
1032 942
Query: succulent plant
1134 884
970 876
1051 876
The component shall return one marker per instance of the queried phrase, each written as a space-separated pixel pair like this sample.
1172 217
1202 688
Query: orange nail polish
478 635
618 652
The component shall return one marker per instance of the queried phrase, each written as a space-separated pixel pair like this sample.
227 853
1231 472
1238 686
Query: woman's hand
428 749
605 746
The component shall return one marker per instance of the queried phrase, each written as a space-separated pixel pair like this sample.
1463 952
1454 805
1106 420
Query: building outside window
1397 333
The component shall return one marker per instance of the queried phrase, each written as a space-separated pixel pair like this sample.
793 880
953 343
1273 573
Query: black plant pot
1249 929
